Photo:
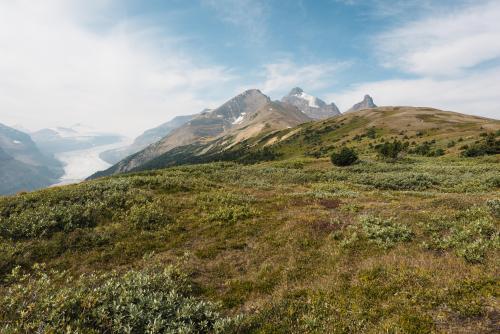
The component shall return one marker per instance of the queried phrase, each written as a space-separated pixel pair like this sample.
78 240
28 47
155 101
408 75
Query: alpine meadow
231 211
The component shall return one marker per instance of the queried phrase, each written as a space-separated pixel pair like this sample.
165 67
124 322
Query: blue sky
128 65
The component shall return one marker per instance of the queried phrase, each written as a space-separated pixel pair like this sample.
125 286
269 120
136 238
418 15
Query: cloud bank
453 59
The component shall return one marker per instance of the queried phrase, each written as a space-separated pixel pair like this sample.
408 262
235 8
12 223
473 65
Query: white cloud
57 69
446 54
251 15
282 76
444 44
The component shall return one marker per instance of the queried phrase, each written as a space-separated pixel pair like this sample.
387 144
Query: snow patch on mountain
239 119
311 100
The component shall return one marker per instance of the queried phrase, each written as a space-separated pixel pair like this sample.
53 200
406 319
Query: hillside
286 243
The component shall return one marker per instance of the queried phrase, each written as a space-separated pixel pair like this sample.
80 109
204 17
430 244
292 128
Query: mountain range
22 165
245 115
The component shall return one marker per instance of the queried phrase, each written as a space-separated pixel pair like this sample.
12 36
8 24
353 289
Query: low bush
231 214
385 232
399 181
346 157
152 301
149 216
41 214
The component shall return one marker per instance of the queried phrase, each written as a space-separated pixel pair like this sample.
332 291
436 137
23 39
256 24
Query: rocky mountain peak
367 103
296 91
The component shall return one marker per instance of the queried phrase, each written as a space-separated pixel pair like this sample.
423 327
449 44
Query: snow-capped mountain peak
311 100
310 105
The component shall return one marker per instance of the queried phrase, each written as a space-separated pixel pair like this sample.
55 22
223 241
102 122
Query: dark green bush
390 150
346 157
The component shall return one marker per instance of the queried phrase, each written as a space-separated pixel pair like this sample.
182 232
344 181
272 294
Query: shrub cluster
494 206
230 214
488 146
426 149
470 234
42 214
399 181
391 151
152 301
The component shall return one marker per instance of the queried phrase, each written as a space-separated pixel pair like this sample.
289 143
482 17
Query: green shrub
346 157
148 216
371 133
153 301
385 232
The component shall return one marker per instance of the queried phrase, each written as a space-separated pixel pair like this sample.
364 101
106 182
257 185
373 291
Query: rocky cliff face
312 106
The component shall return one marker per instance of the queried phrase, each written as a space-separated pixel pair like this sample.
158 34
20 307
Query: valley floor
294 246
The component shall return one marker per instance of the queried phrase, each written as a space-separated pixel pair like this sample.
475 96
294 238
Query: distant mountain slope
77 137
206 126
22 165
321 138
147 138
312 106
367 103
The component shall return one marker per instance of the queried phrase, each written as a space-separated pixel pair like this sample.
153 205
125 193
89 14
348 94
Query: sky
127 65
